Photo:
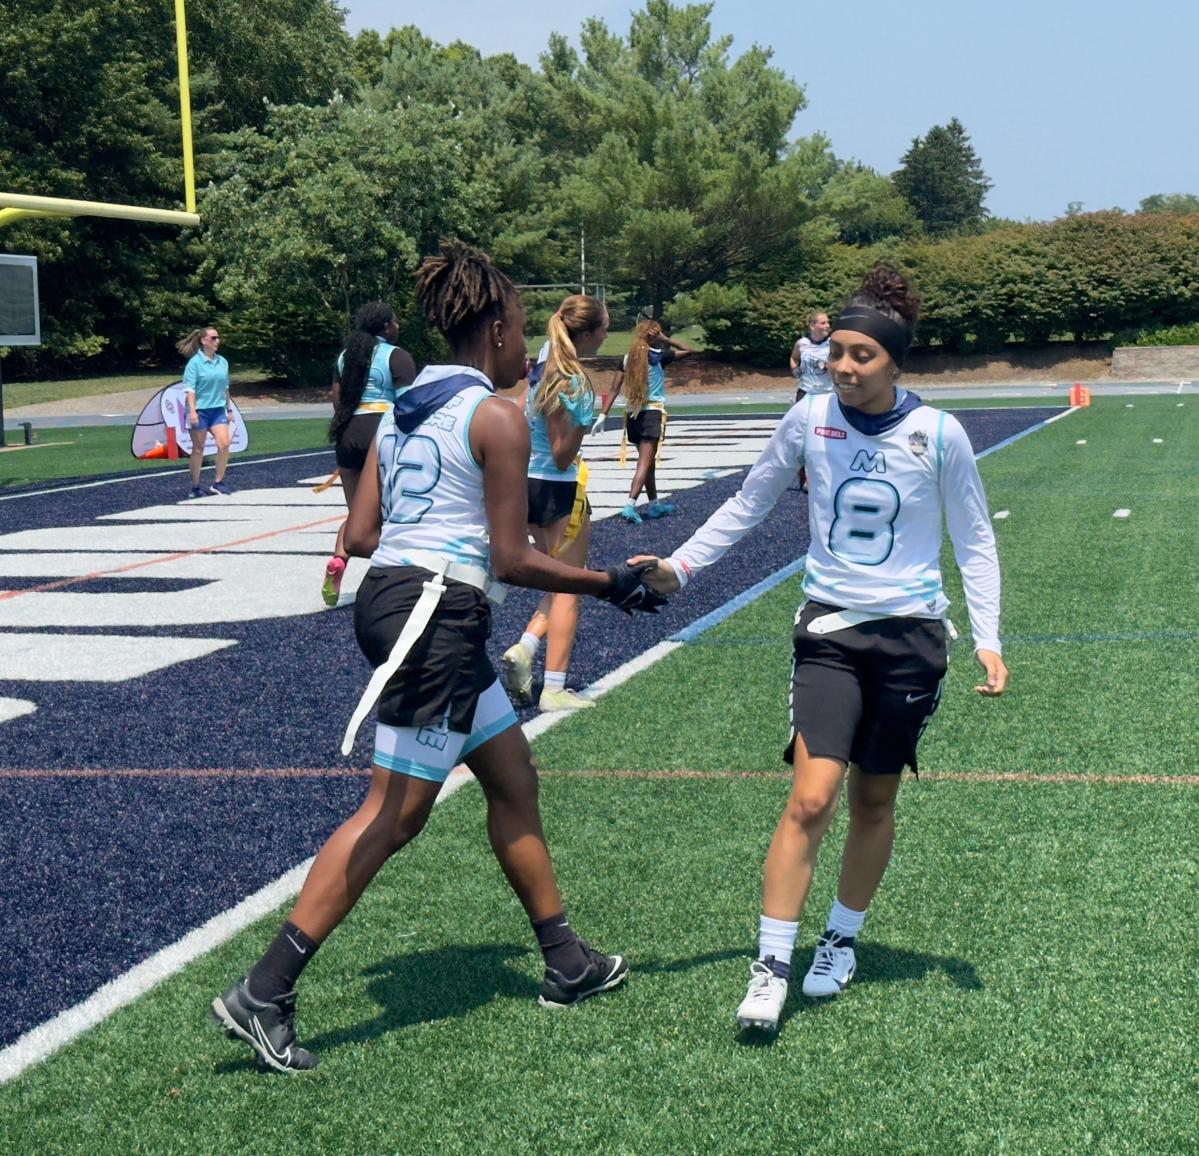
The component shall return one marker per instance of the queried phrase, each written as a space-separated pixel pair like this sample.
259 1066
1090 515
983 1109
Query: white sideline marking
43 1041
1081 442
1157 441
999 514
144 474
1121 513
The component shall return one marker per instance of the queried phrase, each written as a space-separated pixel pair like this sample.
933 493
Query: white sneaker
832 969
564 699
516 674
763 1002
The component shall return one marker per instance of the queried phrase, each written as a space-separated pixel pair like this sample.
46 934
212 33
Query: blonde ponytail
563 369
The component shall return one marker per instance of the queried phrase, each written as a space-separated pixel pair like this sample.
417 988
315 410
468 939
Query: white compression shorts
432 752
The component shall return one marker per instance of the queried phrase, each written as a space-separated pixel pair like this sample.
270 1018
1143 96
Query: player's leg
503 764
335 568
223 436
516 664
260 1009
195 461
562 622
906 659
826 707
790 864
643 469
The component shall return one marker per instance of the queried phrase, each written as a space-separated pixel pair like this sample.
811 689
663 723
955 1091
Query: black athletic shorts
864 694
645 427
355 441
447 669
549 501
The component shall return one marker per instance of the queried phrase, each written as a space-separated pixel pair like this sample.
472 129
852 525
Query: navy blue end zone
102 872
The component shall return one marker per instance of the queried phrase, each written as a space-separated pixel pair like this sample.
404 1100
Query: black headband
893 336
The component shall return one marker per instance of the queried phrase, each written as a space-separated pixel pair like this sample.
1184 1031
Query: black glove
628 592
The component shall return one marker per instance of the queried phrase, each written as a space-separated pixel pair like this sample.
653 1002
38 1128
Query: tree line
328 165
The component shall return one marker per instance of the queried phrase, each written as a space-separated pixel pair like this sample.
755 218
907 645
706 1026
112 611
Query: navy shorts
355 441
645 427
447 670
550 501
864 694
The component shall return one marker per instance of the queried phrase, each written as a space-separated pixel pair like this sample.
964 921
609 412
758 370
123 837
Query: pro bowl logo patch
918 443
829 431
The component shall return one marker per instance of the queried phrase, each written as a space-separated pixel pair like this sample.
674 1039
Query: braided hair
369 324
461 291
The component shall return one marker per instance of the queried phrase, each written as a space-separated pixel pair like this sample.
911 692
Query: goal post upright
19 206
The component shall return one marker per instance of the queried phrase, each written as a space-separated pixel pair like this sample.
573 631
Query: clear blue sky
1064 100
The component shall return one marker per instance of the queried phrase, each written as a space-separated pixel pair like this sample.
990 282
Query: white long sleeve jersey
874 506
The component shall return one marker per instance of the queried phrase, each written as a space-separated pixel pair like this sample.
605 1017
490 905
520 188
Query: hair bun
888 286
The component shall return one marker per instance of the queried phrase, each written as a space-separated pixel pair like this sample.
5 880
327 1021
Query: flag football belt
843 619
577 512
422 613
373 407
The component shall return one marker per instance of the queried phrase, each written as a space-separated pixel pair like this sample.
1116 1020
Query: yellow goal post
18 206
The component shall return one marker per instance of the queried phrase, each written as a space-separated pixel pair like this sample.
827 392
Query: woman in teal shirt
206 382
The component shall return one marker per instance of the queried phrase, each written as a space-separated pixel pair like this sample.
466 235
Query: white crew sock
531 643
776 937
555 680
844 920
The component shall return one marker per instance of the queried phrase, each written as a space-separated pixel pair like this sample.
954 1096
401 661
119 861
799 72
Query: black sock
562 948
782 970
841 940
275 974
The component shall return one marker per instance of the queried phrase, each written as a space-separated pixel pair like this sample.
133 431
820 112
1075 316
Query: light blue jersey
430 486
379 392
208 379
655 382
578 400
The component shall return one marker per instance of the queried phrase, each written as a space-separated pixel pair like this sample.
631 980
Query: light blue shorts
432 752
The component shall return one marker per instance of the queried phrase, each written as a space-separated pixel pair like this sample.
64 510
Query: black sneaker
602 973
267 1027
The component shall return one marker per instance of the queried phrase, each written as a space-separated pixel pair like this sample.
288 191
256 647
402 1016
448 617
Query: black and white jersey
875 507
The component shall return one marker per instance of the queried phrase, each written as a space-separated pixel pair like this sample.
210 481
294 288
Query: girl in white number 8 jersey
870 644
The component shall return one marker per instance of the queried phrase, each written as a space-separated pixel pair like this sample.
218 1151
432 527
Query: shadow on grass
433 985
877 963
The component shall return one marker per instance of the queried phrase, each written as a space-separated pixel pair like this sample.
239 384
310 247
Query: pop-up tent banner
168 409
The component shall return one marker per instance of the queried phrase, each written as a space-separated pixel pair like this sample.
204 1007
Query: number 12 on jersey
414 472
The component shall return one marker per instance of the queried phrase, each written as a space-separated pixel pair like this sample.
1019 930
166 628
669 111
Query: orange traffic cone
157 450
1080 395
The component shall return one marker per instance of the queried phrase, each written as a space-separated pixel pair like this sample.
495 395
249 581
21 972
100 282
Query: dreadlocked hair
367 326
460 290
563 371
886 289
636 370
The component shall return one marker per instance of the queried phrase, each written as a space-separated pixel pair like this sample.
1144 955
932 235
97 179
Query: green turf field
1027 976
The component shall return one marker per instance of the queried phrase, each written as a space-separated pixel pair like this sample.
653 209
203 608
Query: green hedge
1084 277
